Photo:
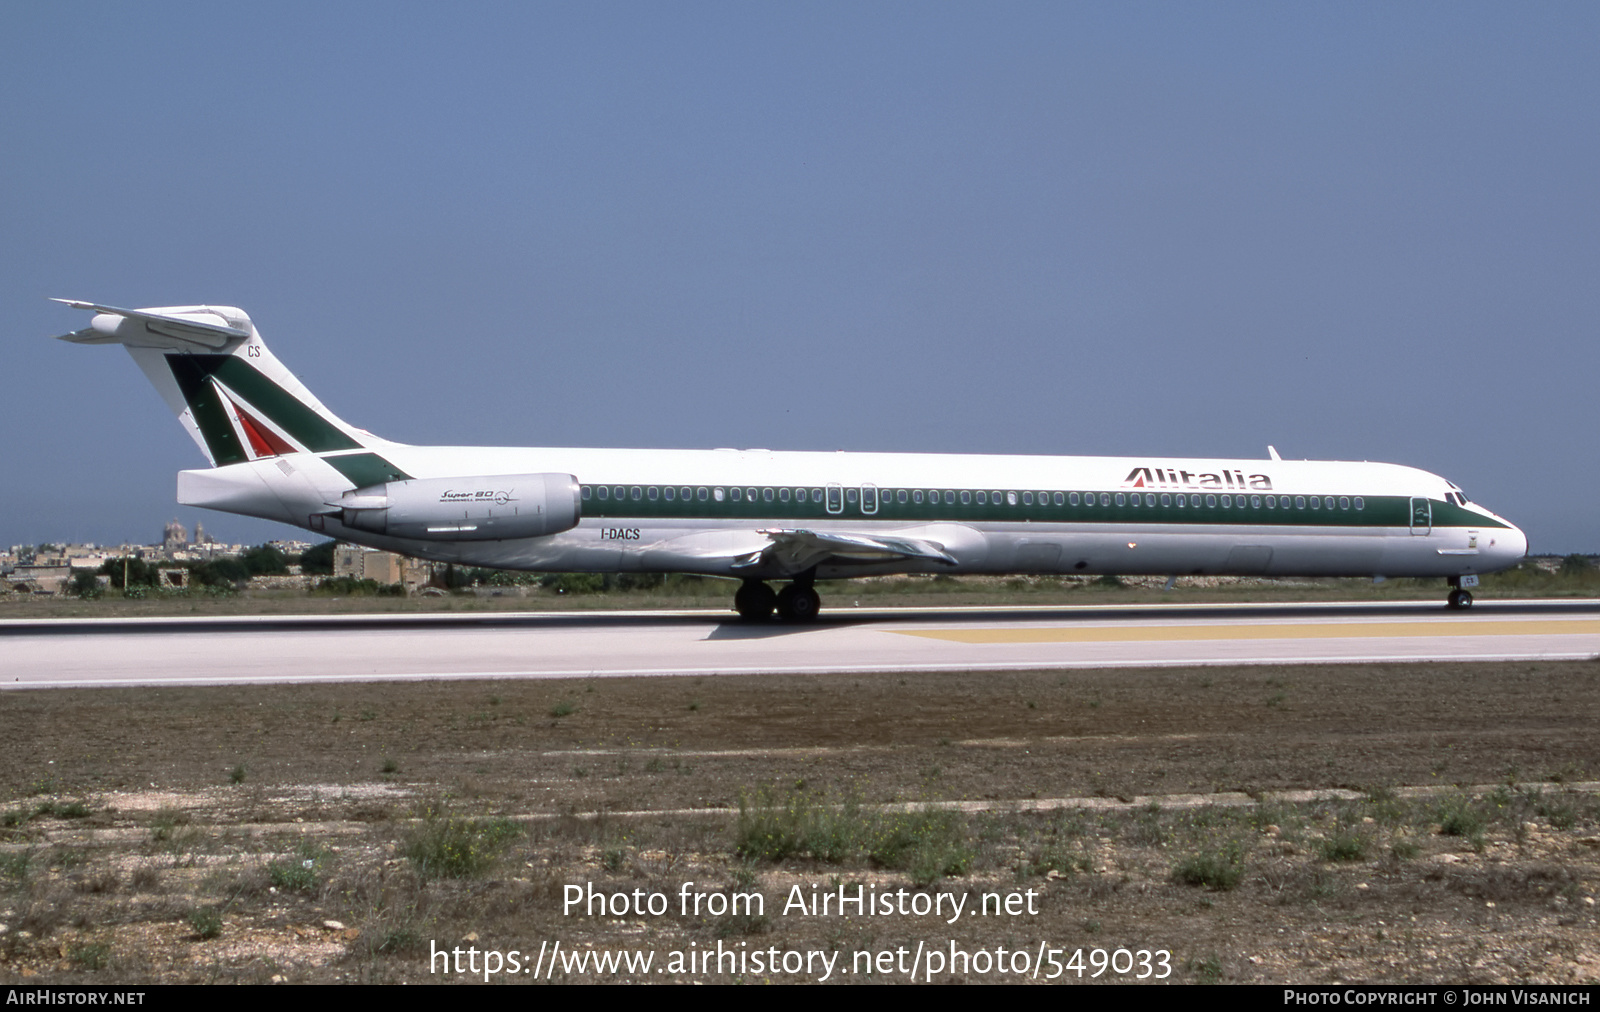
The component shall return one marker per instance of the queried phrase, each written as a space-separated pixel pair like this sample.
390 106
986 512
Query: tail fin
234 397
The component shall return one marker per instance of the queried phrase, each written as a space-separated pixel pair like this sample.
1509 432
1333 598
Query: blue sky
1353 231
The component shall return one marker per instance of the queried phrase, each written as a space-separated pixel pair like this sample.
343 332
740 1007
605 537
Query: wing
795 551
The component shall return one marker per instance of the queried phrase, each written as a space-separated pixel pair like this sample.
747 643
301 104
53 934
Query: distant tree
223 572
265 560
574 583
318 559
1575 565
85 584
139 572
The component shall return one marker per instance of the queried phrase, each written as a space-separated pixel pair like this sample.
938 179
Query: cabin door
1421 515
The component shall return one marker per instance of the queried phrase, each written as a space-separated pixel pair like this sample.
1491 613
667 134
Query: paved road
76 653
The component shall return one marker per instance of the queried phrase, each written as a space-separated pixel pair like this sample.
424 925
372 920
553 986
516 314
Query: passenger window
983 498
701 493
1027 498
1327 501
849 495
1011 498
1227 502
783 495
900 497
916 496
994 497
1299 502
586 491
1360 505
949 498
1344 502
652 493
1073 498
1136 499
620 493
1149 498
1272 502
1166 500
635 494
1105 498
685 493
1255 502
671 493
1060 498
737 494
966 497
1211 500
605 492
766 494
816 495
1122 500
716 494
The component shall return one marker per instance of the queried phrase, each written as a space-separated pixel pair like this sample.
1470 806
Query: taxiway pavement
211 651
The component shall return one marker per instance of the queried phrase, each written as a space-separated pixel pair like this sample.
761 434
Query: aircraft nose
1510 545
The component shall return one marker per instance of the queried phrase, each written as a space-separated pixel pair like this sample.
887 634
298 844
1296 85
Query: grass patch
448 846
926 844
16 864
1207 970
1343 845
300 871
90 955
1219 869
205 922
564 708
1459 817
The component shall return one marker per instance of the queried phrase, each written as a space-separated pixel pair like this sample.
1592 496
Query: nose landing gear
1459 600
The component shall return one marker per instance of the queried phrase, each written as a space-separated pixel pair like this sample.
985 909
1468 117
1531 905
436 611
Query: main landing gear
798 602
1459 600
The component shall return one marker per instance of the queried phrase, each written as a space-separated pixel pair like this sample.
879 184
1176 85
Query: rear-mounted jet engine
482 508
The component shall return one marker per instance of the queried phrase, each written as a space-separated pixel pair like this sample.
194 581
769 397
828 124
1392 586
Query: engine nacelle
491 507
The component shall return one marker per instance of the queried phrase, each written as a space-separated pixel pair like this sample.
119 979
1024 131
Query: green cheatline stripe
283 409
1380 511
365 469
210 414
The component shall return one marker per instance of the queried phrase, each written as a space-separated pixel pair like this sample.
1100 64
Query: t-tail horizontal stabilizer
179 327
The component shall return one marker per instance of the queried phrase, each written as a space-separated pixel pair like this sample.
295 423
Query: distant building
175 536
385 567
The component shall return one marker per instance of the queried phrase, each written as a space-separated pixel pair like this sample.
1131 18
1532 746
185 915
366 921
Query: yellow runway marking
1287 631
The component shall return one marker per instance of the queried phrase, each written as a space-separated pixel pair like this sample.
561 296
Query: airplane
760 516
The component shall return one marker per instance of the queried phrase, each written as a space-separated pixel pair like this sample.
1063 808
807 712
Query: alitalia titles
1166 477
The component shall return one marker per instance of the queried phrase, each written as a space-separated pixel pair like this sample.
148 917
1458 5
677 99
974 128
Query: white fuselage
990 514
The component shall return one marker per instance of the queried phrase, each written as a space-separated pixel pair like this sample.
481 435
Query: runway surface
208 651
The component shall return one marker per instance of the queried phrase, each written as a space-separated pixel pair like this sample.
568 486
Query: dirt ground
1385 823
